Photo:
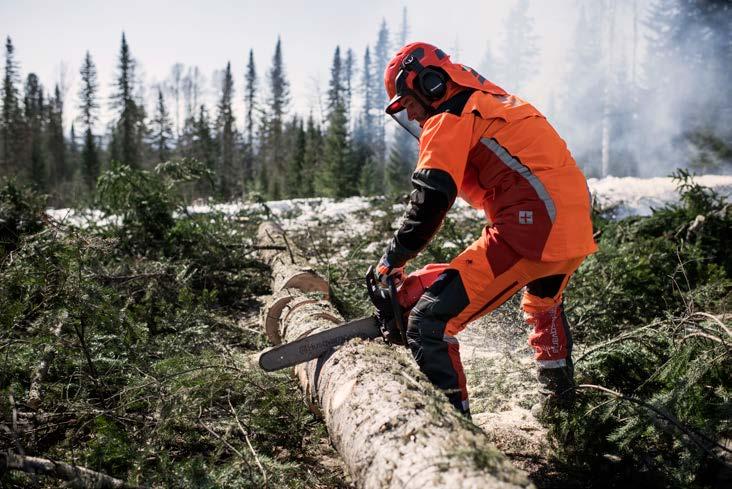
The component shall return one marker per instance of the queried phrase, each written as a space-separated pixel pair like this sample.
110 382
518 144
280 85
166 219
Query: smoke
642 87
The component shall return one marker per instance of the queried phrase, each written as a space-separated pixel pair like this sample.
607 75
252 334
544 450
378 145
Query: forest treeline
607 110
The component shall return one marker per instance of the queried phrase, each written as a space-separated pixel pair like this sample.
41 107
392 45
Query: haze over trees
611 103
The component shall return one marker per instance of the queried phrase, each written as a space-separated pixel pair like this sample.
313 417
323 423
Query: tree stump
389 424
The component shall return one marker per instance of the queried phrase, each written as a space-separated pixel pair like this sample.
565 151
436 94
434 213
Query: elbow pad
433 195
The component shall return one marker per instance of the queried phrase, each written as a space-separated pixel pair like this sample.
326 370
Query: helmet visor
400 83
412 127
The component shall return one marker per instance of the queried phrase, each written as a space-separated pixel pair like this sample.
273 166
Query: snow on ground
633 196
638 196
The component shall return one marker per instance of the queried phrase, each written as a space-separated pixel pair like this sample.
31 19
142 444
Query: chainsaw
392 305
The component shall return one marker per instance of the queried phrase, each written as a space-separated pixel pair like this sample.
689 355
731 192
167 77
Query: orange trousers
476 282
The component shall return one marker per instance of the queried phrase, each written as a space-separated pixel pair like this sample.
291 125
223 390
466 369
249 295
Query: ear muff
429 82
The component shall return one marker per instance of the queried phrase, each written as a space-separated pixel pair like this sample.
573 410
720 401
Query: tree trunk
390 425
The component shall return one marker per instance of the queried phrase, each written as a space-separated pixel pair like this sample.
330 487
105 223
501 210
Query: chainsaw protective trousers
475 283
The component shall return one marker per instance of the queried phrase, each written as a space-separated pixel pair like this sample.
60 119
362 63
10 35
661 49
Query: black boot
557 390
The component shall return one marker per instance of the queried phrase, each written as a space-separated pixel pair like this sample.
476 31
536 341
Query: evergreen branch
691 433
79 477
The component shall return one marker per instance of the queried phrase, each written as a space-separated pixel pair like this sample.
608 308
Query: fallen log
391 427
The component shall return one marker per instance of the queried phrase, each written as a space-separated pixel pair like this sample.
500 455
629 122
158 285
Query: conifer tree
250 104
203 147
349 66
403 153
72 157
381 58
334 178
35 157
368 90
162 130
11 123
520 53
88 108
130 117
297 171
176 86
277 105
57 164
225 136
312 156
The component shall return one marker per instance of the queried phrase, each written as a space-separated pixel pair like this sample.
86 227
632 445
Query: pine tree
162 130
11 123
296 172
225 136
128 131
520 53
250 103
88 108
203 147
381 58
336 177
72 155
368 88
580 119
176 85
349 66
312 156
277 105
403 153
58 170
35 158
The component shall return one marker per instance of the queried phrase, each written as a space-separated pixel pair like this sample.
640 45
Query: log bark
392 428
79 477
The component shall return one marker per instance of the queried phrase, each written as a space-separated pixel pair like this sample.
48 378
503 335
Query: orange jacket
505 158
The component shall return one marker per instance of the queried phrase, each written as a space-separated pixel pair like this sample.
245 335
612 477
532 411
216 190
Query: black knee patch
442 301
546 286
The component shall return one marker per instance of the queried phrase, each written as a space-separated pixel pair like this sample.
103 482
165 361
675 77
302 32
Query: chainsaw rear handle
396 309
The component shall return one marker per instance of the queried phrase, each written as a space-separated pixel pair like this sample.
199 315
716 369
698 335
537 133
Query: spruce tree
72 156
381 58
368 90
277 105
11 123
296 172
336 178
176 86
312 156
162 130
580 119
89 108
57 164
203 146
403 152
250 104
128 131
35 156
520 54
225 136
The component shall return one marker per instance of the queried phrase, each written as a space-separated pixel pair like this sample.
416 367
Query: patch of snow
632 196
639 196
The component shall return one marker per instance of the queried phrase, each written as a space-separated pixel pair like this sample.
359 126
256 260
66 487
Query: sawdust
500 371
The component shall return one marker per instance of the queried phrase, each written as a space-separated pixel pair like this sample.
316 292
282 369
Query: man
501 155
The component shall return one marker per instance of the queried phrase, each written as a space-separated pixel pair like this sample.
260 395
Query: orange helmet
423 68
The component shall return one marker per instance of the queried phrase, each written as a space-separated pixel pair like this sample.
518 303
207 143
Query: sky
51 37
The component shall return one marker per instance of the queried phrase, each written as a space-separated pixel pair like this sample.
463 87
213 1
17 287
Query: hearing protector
429 82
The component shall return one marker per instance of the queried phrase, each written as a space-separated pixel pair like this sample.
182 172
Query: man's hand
384 270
